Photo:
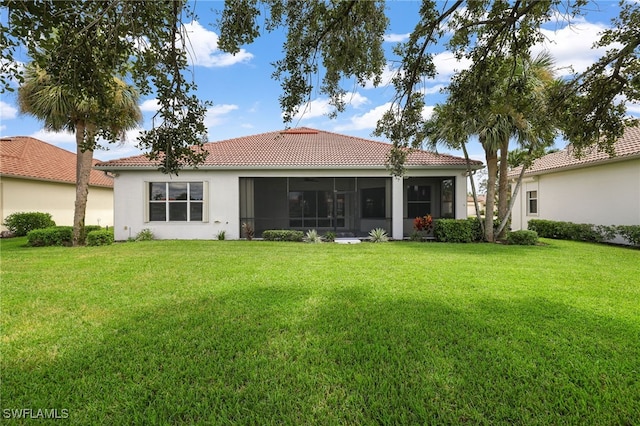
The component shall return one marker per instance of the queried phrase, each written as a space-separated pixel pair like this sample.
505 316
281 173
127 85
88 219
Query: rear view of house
299 178
38 177
596 188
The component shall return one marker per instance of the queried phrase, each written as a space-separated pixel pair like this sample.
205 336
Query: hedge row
457 230
63 236
584 231
282 235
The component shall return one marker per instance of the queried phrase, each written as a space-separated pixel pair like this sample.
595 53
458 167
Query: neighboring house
38 177
294 179
471 205
595 189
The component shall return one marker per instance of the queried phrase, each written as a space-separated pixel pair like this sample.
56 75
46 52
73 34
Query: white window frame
530 198
205 203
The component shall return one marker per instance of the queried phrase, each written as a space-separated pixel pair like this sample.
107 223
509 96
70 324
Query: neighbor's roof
30 158
298 147
627 147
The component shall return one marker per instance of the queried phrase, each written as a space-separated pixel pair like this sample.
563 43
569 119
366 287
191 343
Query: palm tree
510 106
40 96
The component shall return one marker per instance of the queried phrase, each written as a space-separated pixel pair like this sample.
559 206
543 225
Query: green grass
236 332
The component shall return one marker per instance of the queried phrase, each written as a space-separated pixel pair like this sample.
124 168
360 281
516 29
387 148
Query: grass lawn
236 332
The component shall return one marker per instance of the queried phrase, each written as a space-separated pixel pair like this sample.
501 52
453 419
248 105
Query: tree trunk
503 188
84 163
492 174
473 186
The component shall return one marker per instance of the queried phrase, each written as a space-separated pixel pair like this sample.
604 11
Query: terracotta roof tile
299 147
30 158
628 146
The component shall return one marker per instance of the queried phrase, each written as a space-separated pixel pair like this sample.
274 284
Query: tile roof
298 147
628 146
31 158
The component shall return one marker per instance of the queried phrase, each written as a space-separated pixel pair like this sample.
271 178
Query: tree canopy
342 39
82 45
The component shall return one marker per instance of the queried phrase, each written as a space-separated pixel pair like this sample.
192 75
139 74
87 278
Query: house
38 177
298 178
596 188
471 205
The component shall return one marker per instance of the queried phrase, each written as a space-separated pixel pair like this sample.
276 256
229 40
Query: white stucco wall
57 199
607 194
223 195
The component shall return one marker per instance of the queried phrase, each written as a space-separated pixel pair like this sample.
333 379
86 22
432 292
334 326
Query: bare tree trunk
525 165
503 188
473 186
84 163
492 172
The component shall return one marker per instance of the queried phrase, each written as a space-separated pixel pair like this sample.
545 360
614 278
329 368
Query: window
176 201
447 191
315 209
532 202
418 200
373 203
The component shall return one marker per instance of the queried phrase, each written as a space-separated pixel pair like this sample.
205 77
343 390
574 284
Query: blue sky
245 97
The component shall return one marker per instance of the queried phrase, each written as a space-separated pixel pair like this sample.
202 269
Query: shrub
572 231
631 233
21 223
476 229
53 236
550 229
329 236
221 235
312 236
453 231
522 238
378 235
145 235
283 235
100 237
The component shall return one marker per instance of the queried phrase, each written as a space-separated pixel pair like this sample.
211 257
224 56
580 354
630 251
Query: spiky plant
378 235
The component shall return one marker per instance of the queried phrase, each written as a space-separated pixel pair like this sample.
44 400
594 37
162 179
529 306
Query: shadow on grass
286 355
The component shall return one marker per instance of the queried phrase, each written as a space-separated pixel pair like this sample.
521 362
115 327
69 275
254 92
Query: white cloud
572 45
396 38
385 79
434 89
447 65
67 140
319 107
202 46
369 119
633 109
61 139
364 121
216 114
7 111
150 105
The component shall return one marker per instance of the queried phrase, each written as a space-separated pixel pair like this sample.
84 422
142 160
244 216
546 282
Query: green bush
283 235
453 230
329 237
145 235
631 233
100 237
53 236
549 228
21 223
584 231
476 229
522 238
